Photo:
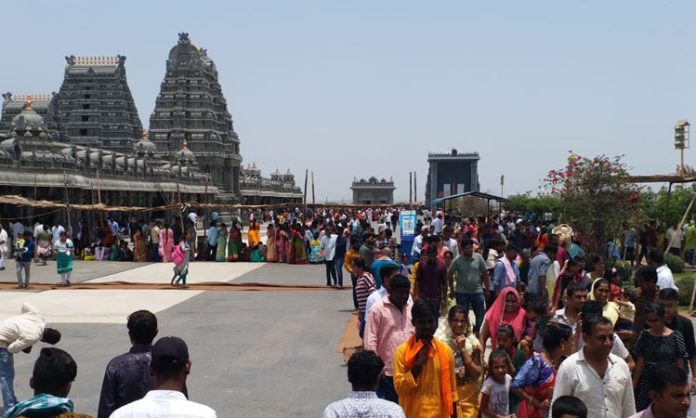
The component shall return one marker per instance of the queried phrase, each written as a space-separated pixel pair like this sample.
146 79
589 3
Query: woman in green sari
64 249
221 243
298 254
234 245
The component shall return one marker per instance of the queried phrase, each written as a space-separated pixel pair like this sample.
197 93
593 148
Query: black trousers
213 251
331 272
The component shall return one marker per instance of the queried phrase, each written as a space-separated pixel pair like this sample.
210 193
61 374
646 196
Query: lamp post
681 141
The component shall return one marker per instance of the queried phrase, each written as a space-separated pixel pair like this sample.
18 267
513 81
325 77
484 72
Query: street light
681 141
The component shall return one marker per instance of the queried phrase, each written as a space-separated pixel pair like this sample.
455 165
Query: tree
538 205
667 207
595 196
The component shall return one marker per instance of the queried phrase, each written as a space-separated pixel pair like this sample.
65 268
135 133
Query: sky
353 89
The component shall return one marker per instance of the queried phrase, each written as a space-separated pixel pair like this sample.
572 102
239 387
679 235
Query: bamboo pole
67 200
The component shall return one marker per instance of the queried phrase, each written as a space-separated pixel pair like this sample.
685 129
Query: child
405 266
627 311
315 256
568 407
495 392
508 343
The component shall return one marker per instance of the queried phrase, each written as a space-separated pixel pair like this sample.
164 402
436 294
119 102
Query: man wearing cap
170 366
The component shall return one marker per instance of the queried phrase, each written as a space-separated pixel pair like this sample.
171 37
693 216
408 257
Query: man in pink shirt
388 326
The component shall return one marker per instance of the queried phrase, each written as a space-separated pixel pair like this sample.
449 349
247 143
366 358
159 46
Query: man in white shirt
437 223
674 241
595 376
668 389
20 333
4 247
170 366
364 370
328 250
56 231
450 242
418 243
665 279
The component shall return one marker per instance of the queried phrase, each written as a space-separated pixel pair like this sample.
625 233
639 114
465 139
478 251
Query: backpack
177 255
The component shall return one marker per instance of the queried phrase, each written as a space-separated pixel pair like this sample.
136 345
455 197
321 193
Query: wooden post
304 199
35 186
207 210
101 213
67 200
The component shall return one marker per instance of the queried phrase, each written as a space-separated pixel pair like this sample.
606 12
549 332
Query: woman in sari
64 258
253 234
298 253
282 244
466 348
234 245
534 381
600 293
43 244
271 252
166 243
140 253
221 243
181 263
507 309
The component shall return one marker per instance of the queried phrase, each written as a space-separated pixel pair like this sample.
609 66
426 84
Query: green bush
676 264
685 283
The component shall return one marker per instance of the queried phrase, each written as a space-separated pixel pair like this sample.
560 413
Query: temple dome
144 147
28 120
184 53
185 155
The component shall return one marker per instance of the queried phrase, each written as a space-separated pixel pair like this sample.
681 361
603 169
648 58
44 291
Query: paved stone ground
254 354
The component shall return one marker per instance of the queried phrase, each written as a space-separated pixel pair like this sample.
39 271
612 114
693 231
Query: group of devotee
149 381
554 332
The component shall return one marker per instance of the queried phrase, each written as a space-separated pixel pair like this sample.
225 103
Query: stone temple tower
191 109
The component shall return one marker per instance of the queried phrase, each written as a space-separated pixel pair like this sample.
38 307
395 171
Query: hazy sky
357 88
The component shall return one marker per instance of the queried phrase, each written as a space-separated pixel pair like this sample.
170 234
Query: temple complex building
87 137
373 191
258 190
35 165
191 107
451 173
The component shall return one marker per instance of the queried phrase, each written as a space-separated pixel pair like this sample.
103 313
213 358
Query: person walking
471 274
424 371
64 249
328 251
25 255
181 258
3 247
595 376
364 371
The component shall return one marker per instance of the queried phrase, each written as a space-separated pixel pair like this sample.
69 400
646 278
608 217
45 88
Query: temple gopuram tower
95 105
191 113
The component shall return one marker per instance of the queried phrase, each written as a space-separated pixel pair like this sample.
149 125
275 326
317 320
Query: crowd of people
502 318
148 381
552 332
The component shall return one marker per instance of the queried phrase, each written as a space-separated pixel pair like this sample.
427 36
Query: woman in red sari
533 384
507 309
282 244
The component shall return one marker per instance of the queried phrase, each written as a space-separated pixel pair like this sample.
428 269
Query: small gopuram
373 191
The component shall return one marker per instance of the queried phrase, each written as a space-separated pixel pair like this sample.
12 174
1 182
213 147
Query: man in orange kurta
424 374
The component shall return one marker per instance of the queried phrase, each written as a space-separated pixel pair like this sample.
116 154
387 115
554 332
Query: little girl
495 392
181 262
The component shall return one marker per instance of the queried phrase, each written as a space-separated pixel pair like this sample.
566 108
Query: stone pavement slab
199 271
83 270
254 354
